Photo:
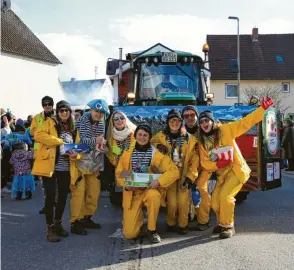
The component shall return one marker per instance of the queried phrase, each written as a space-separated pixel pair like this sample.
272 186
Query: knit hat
189 108
144 127
47 100
19 145
206 114
63 104
174 113
19 122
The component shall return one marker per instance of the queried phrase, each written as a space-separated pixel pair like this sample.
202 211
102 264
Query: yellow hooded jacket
160 164
115 151
190 155
228 133
47 137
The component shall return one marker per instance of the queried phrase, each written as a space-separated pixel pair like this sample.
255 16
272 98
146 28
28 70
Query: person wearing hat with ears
144 158
38 120
231 174
181 147
85 189
54 167
190 116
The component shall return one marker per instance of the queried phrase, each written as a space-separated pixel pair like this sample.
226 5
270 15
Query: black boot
202 227
78 228
51 234
29 195
42 211
18 195
217 229
60 231
154 237
182 231
90 224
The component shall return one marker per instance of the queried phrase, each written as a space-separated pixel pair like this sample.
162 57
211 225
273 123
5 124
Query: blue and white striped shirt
89 131
62 164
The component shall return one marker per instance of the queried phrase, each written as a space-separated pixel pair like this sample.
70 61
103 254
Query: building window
286 87
291 116
231 91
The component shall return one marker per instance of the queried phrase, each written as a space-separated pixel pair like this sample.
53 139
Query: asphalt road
264 239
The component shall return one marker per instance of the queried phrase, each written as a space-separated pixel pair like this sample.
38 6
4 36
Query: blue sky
83 34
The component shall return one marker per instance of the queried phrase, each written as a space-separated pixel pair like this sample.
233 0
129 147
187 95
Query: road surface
264 239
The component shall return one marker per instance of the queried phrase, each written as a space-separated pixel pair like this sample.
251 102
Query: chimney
255 34
72 80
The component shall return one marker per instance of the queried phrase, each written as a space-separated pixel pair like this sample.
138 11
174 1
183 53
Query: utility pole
238 54
96 72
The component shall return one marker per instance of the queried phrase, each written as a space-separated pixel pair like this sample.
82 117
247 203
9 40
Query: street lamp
238 53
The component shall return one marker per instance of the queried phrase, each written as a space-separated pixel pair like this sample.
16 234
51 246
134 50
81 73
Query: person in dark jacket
288 143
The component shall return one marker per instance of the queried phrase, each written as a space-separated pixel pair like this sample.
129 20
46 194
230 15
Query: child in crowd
23 181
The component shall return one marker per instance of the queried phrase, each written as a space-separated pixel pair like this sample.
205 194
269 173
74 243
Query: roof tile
17 38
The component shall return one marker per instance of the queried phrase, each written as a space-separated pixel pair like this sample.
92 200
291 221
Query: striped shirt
89 130
141 160
125 144
180 140
62 164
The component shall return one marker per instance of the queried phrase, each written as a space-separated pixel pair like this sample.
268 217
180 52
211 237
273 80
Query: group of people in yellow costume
183 153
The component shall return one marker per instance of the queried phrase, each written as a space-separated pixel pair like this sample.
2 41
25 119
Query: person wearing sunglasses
190 116
120 136
175 141
144 158
38 120
231 174
55 168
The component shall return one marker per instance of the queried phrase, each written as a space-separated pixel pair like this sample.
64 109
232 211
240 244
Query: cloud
79 55
185 32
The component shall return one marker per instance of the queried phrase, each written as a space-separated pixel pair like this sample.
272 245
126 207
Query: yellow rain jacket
47 137
190 155
159 161
227 138
115 151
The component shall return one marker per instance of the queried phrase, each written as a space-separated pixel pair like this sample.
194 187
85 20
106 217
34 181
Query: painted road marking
13 214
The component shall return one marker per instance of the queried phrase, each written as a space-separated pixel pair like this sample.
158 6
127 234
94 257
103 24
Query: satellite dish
5 5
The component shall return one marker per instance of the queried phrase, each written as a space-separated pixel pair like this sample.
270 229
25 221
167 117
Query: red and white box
225 153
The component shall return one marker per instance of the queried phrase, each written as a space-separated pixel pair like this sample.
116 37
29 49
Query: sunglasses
115 119
63 110
175 120
47 104
191 115
204 120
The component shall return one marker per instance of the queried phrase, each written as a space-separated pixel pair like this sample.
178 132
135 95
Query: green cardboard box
140 179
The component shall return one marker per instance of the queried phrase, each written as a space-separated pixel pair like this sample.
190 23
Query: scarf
192 130
121 135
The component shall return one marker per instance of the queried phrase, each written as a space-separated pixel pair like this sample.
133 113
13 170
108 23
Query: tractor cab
162 76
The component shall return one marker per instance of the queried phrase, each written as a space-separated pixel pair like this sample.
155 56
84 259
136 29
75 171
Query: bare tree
273 91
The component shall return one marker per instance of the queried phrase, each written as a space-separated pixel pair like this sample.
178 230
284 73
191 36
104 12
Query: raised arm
241 126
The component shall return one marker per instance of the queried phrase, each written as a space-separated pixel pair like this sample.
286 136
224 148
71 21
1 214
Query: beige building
266 61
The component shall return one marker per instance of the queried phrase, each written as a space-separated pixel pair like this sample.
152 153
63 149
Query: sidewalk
286 173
